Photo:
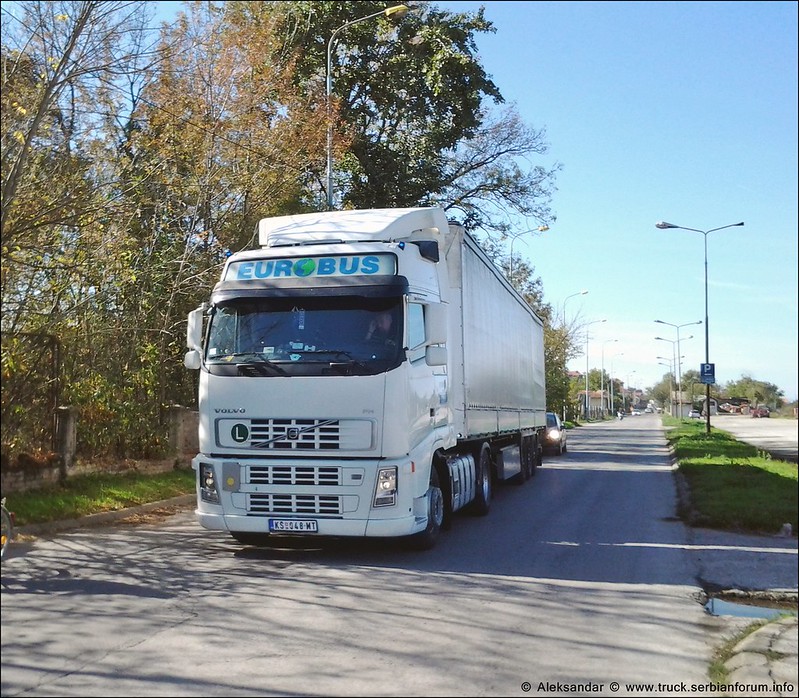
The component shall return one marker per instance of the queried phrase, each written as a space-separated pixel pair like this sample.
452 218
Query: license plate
293 526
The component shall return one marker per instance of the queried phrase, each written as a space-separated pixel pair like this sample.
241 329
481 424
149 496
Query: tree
413 123
63 222
757 392
661 392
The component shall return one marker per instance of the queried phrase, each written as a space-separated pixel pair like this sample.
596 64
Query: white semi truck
362 373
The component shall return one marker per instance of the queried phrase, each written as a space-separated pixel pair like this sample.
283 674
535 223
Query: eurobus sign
307 267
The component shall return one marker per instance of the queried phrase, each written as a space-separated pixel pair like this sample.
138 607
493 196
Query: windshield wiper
253 357
351 361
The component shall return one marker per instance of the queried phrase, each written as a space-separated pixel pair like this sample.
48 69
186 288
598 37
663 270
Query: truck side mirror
435 356
435 323
192 359
194 328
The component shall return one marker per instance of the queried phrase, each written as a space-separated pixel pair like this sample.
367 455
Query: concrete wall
28 473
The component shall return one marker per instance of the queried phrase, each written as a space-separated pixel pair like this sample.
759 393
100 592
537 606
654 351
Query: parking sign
707 373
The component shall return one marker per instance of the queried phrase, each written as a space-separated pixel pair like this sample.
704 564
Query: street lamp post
675 359
666 226
579 293
621 353
671 379
539 229
587 394
629 388
602 378
671 382
679 355
398 10
567 334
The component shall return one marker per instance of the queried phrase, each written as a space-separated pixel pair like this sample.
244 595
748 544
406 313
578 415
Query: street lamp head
398 10
665 226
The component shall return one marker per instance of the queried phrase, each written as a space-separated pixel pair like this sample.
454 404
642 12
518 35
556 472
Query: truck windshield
307 336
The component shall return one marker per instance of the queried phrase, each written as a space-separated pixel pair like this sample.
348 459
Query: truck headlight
209 492
386 489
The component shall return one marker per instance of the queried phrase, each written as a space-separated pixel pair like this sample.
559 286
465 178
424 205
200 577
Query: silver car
555 436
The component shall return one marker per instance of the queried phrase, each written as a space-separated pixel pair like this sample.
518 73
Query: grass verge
92 494
730 484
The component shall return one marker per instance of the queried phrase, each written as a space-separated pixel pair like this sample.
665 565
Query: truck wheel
482 500
435 516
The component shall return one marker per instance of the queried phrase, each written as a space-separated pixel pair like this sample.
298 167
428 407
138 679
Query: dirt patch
784 601
155 515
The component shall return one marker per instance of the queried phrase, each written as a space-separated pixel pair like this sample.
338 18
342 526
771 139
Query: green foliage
740 496
409 102
757 392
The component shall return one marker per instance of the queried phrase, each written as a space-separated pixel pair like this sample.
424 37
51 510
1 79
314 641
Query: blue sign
707 374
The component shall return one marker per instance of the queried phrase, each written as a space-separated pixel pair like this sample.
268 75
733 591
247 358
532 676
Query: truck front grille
293 475
295 434
307 504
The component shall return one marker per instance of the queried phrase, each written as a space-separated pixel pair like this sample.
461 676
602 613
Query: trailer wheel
482 500
426 539
524 470
537 455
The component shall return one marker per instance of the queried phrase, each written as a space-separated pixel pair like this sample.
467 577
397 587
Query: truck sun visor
335 286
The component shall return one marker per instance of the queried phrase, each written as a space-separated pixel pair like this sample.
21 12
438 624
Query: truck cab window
416 335
313 336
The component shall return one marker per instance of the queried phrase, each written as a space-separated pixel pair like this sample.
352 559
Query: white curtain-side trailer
362 373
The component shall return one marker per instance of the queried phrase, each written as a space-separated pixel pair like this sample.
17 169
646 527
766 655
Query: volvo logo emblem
293 433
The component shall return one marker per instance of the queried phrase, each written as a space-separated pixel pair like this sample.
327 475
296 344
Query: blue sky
677 111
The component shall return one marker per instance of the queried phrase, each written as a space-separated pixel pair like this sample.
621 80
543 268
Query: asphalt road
582 575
